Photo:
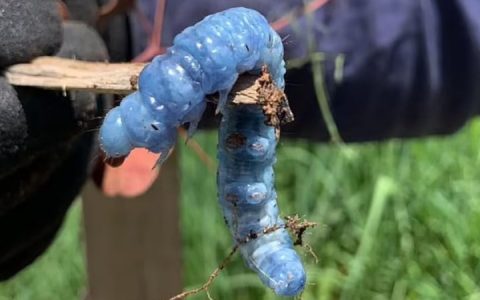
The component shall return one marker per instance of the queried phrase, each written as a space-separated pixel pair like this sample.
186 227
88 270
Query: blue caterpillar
246 152
207 58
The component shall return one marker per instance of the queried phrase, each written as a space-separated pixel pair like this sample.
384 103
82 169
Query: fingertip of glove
81 41
28 28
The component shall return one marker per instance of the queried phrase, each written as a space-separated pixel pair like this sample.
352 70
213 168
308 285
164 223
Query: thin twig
197 148
210 280
294 14
293 223
311 252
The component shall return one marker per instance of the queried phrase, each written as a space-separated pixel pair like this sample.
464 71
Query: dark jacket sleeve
410 68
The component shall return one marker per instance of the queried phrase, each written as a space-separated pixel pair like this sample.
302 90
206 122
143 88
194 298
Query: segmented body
246 153
208 58
204 59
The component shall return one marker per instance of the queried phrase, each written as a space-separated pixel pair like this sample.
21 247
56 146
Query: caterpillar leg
193 118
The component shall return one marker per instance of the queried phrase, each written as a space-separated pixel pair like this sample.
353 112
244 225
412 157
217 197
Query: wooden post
134 245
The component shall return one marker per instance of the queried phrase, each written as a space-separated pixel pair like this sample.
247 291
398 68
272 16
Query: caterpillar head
114 141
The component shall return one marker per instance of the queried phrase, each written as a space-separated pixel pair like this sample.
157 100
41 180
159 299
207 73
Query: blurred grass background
398 220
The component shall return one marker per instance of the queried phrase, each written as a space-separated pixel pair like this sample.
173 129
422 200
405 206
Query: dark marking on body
235 140
252 235
232 198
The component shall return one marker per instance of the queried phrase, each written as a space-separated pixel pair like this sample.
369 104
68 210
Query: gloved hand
44 156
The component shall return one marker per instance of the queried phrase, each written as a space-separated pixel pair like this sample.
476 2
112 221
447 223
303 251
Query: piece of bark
261 90
74 75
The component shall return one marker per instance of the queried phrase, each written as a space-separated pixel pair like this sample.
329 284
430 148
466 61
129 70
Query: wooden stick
74 75
122 78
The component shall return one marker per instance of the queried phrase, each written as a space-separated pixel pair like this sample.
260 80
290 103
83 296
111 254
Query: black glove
44 156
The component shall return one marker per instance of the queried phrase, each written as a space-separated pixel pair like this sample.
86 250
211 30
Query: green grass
398 220
59 273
